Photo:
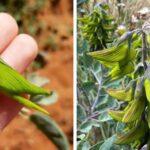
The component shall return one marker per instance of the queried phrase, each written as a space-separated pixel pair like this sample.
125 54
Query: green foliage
113 108
45 100
97 27
13 84
93 101
51 130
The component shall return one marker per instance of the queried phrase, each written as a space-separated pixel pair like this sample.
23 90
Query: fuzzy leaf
45 100
51 130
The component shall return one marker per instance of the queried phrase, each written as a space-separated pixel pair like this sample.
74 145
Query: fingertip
21 52
8 29
28 41
10 19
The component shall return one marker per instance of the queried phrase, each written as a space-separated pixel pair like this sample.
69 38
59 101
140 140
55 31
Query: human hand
18 51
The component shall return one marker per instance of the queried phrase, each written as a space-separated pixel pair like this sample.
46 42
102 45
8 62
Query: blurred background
50 23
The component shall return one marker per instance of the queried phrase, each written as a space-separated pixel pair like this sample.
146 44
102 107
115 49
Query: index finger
8 30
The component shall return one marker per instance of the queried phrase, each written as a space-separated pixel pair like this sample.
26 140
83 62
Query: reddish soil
21 134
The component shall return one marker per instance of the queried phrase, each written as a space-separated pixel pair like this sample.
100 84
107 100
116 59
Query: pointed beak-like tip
49 93
106 90
89 54
45 112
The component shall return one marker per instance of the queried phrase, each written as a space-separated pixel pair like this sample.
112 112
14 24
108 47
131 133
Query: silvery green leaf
86 126
120 127
83 145
44 100
37 80
81 114
96 146
104 117
51 130
108 144
81 136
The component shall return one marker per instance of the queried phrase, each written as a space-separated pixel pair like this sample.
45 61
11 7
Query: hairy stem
98 91
103 132
88 103
144 50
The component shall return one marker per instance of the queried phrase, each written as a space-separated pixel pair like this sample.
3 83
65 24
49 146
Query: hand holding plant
18 51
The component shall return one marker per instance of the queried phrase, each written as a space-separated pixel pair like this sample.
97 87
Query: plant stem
102 132
88 103
144 50
98 91
95 135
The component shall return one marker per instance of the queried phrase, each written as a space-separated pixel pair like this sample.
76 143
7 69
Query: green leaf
51 130
81 136
80 2
120 127
104 117
89 85
83 145
96 146
45 100
87 125
109 144
105 103
37 80
81 114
